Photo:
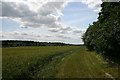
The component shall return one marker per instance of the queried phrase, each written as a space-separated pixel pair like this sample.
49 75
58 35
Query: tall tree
104 35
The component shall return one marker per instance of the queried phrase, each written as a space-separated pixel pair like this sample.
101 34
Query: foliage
103 36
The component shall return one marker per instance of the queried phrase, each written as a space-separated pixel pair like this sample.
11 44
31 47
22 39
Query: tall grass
28 63
20 62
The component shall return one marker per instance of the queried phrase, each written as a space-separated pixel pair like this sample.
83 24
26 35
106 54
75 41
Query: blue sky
9 25
78 14
24 23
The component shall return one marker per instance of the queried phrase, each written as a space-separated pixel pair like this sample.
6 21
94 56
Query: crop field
28 63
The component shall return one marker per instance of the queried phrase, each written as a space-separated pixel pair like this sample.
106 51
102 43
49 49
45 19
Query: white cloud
51 7
21 35
34 13
16 10
68 32
40 13
93 4
64 37
53 30
64 29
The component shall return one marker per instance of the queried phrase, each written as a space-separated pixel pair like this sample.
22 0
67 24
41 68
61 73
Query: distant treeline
16 43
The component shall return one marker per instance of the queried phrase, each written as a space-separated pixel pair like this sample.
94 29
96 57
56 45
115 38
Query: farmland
23 63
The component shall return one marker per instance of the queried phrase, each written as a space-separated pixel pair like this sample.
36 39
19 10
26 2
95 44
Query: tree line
17 43
103 35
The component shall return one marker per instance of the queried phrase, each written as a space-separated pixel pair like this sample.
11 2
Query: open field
24 63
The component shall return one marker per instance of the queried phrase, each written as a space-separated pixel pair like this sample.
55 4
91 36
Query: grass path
49 68
83 64
76 63
55 62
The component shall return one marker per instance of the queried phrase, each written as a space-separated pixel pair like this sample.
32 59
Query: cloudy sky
47 20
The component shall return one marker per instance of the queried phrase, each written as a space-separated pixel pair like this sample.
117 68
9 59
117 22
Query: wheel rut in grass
47 67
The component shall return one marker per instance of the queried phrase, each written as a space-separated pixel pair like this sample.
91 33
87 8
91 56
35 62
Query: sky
47 20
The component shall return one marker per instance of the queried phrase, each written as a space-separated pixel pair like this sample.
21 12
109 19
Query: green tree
104 35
